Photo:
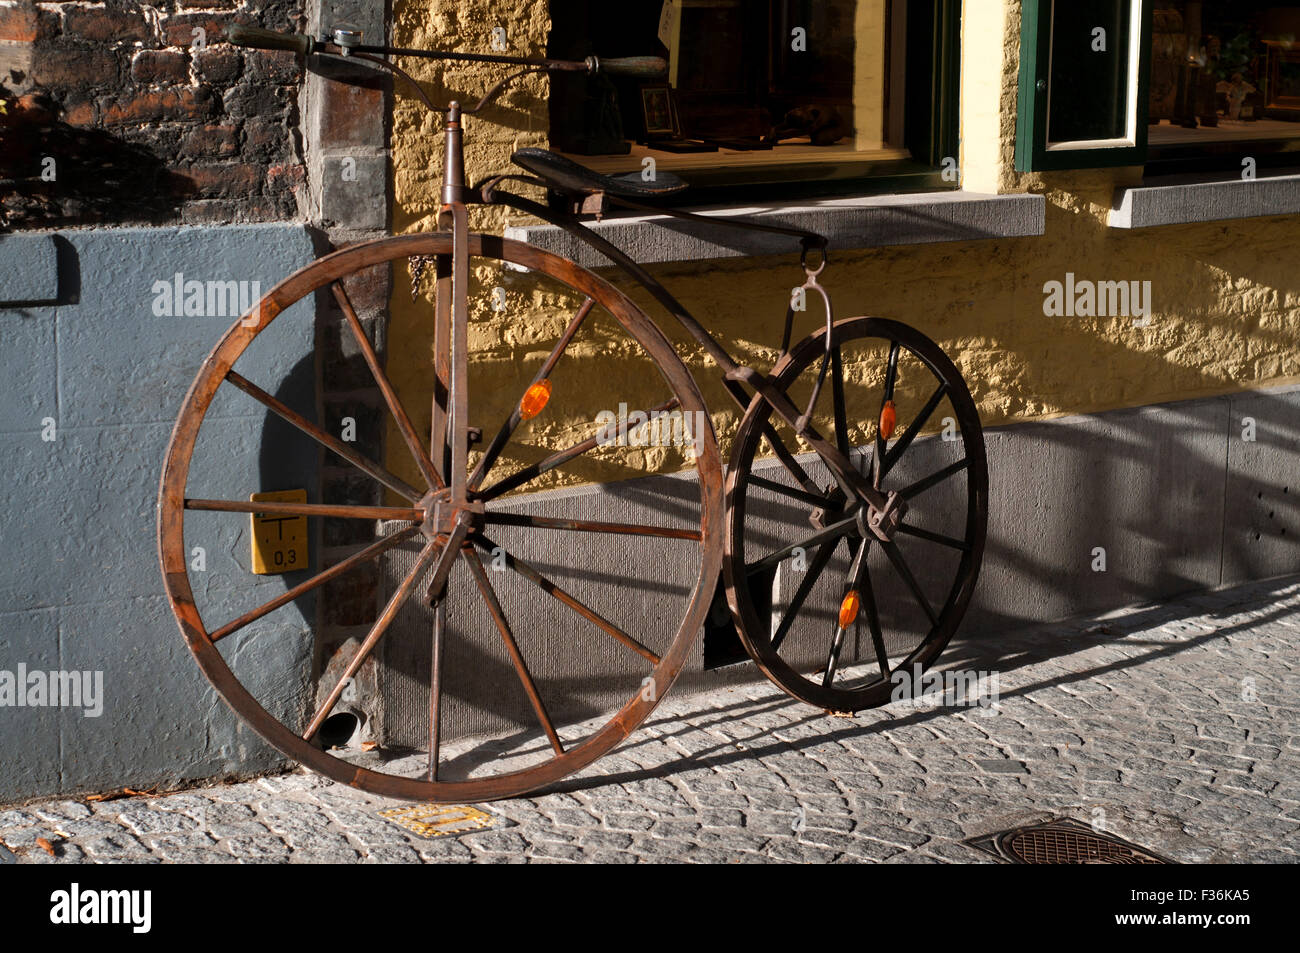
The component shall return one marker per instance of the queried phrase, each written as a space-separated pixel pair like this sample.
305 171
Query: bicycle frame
886 510
450 516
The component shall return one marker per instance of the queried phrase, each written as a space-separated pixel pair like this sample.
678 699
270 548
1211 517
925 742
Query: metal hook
811 284
821 245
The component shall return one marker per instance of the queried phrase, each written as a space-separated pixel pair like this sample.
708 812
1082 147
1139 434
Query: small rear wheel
830 612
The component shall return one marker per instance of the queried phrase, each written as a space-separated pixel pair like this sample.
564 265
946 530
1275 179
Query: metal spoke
837 393
395 407
873 622
550 588
820 560
837 640
512 422
939 538
372 551
905 441
562 457
832 532
333 443
512 647
787 459
878 456
794 494
310 509
590 526
934 479
896 557
433 550
435 687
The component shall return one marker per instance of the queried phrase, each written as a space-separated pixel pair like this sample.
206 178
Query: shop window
824 94
1173 84
1225 80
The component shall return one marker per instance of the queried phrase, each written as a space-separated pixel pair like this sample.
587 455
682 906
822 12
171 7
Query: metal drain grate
439 820
1063 841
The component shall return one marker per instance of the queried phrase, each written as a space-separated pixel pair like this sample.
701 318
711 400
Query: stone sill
1191 200
849 223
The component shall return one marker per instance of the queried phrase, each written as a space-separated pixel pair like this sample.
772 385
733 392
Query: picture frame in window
1283 79
659 112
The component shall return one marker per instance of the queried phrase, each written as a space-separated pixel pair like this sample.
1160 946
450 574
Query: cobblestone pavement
1176 727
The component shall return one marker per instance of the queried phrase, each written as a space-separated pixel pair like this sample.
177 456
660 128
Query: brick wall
119 112
147 121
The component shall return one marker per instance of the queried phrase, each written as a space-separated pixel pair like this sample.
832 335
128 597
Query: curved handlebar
259 39
642 67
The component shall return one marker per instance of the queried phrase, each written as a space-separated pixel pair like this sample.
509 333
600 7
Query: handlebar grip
643 67
260 39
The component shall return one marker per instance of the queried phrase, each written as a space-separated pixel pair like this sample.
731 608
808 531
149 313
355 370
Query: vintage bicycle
826 480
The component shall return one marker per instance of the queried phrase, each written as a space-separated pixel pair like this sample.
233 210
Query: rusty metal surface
446 512
1063 841
453 512
172 506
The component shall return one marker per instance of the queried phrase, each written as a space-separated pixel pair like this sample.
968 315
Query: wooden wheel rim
805 353
171 510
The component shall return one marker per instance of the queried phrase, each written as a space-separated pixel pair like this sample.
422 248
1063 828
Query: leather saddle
564 175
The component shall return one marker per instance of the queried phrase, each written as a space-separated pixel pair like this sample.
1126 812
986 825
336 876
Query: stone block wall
124 112
119 113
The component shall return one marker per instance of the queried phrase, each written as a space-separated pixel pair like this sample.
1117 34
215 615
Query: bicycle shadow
1137 505
1032 647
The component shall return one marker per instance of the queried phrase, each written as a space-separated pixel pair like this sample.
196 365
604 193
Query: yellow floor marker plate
279 542
439 820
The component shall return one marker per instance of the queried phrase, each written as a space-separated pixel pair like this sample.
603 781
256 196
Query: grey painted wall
82 347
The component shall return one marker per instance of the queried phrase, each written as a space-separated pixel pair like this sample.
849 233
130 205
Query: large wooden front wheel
535 580
832 613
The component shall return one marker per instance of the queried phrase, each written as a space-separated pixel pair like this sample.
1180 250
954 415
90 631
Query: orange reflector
888 417
534 399
849 609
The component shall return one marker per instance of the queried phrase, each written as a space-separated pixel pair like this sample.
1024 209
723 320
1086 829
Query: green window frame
1045 50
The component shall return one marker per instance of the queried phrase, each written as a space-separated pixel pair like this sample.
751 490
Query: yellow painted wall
1226 294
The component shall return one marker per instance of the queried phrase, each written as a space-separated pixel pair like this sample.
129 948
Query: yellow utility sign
279 542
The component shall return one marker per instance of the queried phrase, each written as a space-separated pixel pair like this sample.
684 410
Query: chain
416 264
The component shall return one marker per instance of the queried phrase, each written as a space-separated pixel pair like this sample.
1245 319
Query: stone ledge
869 222
1191 201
